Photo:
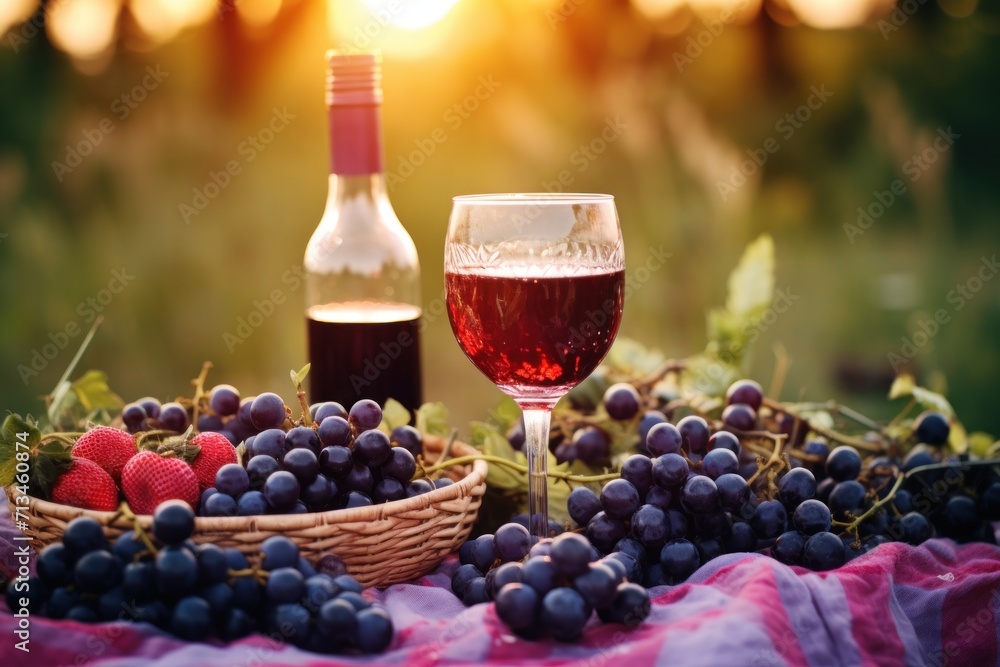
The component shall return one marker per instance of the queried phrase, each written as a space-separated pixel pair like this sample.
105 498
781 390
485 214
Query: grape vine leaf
486 439
87 396
300 377
394 414
751 283
906 385
630 357
980 443
433 418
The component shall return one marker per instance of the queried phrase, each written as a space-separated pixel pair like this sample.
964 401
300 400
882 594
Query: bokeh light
83 28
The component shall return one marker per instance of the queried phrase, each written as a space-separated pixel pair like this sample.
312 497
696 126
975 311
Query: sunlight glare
83 28
411 14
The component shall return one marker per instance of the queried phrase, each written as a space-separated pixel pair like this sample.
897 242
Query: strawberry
149 479
86 485
108 447
216 451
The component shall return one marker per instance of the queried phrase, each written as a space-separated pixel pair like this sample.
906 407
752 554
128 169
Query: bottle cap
353 78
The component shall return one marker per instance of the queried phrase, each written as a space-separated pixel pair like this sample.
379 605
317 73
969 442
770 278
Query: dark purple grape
718 462
709 547
173 417
335 461
207 422
365 415
747 392
476 592
823 551
542 547
418 487
270 443
633 546
302 463
507 573
401 465
917 457
592 445
176 570
824 488
915 528
302 437
677 524
134 417
796 486
564 613
630 606
511 542
619 499
191 619
212 564
372 448
679 559
843 463
740 417
582 505
357 499
769 520
621 401
259 468
375 630
267 411
597 585
663 438
700 494
741 539
329 409
961 516
281 490
359 478
173 522
638 470
463 575
931 428
571 554
151 405
442 482
484 552
517 606
278 551
251 503
989 502
846 497
605 532
649 526
220 504
659 497
54 567
408 438
724 440
650 418
96 572
788 547
670 470
694 434
516 435
224 400
232 479
387 490
335 432
819 449
812 517
565 452
319 493
540 573
733 491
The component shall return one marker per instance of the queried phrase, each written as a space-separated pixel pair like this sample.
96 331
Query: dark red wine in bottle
524 331
363 277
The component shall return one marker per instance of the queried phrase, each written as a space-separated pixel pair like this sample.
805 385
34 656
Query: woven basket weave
380 544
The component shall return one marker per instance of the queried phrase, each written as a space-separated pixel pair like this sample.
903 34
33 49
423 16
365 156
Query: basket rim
475 478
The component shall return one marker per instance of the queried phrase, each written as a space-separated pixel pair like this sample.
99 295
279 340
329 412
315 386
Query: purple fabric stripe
904 628
807 624
923 609
831 609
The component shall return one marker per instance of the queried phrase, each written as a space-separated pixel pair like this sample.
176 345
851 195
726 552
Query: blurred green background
692 91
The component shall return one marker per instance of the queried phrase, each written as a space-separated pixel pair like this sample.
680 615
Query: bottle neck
368 188
355 140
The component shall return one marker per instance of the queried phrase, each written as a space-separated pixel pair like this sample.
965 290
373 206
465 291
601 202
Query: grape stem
775 458
199 389
555 474
857 443
125 511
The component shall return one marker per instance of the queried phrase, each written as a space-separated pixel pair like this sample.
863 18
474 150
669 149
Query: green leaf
958 439
751 283
17 436
905 385
433 418
62 401
979 443
93 392
493 443
632 358
902 386
394 414
505 414
300 377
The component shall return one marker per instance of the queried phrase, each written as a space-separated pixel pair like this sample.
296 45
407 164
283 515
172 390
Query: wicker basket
380 544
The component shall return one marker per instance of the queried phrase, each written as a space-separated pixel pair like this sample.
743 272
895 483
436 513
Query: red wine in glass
535 335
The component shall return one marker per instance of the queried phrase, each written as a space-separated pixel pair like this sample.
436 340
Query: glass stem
536 432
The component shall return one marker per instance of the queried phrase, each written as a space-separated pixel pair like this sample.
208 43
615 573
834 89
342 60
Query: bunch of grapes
199 591
553 586
687 499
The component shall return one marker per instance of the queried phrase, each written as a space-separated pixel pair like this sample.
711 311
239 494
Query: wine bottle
362 274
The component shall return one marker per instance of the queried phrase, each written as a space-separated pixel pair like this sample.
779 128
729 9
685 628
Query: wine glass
535 285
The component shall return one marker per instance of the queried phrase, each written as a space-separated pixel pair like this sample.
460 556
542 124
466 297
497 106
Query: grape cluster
344 461
200 591
552 586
